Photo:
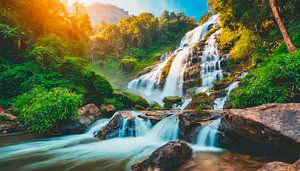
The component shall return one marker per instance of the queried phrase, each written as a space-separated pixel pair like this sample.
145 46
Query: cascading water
220 102
149 85
210 63
207 135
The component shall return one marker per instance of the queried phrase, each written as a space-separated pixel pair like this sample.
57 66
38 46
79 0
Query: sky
193 8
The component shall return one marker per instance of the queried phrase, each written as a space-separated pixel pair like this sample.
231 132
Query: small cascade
208 135
134 127
220 102
165 130
150 85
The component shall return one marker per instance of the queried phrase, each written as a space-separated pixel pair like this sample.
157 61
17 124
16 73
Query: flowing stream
76 151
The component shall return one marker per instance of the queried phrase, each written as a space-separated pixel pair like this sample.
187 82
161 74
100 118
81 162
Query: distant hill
104 12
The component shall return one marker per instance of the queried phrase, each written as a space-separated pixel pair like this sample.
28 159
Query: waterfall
211 63
149 85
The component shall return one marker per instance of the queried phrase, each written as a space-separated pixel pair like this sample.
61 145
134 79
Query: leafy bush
97 87
128 64
136 100
40 110
125 100
277 80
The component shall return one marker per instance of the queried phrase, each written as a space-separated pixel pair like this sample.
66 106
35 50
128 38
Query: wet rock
116 124
271 129
89 109
280 166
168 157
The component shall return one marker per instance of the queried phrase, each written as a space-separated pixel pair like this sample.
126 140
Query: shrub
136 100
128 64
125 100
97 87
117 103
40 110
277 80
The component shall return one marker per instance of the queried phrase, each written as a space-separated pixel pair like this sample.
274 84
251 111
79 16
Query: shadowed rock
113 127
168 157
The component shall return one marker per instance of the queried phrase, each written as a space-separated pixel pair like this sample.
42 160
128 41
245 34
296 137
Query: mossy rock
170 101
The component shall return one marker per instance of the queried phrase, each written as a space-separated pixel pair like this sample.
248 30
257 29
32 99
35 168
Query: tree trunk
290 46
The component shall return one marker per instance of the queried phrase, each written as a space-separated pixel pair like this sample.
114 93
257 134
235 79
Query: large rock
271 129
168 157
280 166
116 125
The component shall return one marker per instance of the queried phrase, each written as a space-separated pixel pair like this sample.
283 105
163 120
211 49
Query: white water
211 63
71 152
208 135
148 85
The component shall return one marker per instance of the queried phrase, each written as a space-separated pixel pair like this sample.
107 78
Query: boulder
271 129
89 109
116 125
168 157
280 166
